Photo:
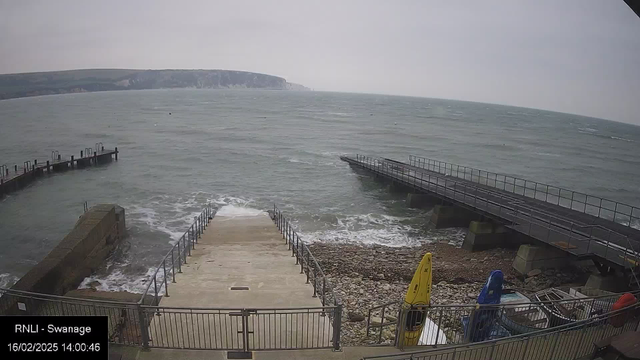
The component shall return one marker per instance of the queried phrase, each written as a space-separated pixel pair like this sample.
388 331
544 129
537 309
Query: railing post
308 263
179 258
292 247
194 238
302 260
164 272
315 282
155 288
144 329
337 327
297 249
173 269
184 247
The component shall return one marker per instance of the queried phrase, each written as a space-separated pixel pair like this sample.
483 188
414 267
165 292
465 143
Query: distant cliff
73 81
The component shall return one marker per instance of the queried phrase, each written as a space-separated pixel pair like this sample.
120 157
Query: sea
245 150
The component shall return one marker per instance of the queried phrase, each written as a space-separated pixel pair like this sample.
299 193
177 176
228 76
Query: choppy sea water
244 150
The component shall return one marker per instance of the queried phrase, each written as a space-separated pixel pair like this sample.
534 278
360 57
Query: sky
575 56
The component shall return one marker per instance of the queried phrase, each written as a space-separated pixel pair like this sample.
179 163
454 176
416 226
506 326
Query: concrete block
610 283
484 235
531 257
451 216
421 201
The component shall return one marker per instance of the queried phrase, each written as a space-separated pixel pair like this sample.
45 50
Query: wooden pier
15 177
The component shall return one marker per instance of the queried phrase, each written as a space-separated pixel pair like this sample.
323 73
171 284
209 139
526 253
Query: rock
390 318
375 320
534 272
529 280
442 283
473 260
387 287
548 272
355 317
472 295
94 284
381 276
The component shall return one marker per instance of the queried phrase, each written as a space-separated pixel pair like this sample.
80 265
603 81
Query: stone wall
80 253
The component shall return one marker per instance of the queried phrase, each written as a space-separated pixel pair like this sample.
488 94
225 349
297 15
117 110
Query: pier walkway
15 177
583 225
241 289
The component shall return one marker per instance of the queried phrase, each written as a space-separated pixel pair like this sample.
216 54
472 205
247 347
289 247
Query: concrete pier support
531 257
451 216
610 282
484 235
421 201
396 187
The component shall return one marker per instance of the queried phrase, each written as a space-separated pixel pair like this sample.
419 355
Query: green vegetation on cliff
73 81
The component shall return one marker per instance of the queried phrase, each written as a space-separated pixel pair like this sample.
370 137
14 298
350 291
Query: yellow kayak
419 293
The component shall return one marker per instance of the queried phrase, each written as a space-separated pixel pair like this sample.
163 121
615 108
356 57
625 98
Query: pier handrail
461 190
447 169
177 256
426 163
614 208
322 286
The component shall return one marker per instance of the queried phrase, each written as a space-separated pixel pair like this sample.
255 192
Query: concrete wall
79 254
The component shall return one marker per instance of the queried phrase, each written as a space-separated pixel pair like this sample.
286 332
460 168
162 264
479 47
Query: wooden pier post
16 168
95 158
48 170
72 161
116 153
81 154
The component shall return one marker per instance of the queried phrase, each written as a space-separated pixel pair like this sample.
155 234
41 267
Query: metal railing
576 238
125 325
243 329
569 341
322 287
618 212
458 324
173 260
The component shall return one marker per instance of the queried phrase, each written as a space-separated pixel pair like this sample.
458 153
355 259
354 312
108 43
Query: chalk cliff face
61 82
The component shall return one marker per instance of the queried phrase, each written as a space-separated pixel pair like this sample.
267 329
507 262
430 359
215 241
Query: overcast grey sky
577 56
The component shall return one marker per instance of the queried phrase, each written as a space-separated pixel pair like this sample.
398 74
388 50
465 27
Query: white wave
547 154
623 139
174 223
8 280
296 160
368 229
231 206
238 211
587 129
167 214
116 280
